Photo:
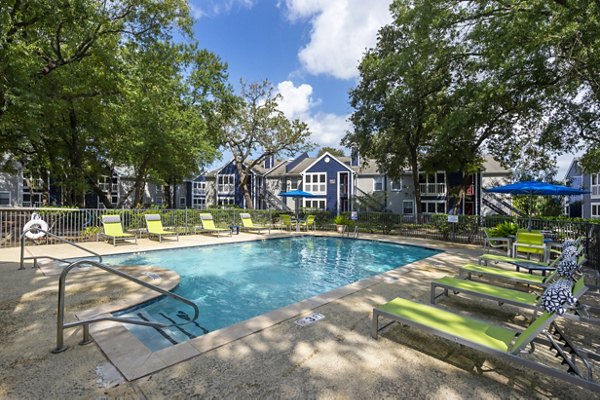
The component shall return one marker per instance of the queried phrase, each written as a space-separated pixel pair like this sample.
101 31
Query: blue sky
308 49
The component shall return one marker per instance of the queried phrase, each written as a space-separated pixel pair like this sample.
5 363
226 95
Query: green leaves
258 129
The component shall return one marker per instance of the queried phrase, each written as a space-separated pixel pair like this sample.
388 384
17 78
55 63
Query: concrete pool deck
332 358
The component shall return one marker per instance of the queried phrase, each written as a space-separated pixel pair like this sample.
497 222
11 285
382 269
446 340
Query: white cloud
341 31
203 8
297 102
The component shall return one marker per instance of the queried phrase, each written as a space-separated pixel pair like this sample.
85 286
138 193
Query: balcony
432 188
227 188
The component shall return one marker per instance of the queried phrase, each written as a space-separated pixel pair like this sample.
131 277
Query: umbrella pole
530 205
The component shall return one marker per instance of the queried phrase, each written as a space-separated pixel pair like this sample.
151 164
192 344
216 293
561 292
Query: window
595 211
32 192
4 198
199 188
378 183
226 201
433 207
396 185
408 207
432 183
182 201
595 187
315 183
226 183
315 204
292 184
199 202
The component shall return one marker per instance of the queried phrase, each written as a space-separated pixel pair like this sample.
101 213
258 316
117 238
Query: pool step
159 338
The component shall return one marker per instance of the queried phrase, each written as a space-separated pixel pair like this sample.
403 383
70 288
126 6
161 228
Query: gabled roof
573 169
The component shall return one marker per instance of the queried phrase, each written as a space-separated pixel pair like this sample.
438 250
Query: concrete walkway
334 358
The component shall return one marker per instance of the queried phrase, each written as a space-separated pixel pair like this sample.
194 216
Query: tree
163 132
544 56
403 97
331 150
259 129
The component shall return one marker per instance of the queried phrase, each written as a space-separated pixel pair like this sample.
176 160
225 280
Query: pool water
234 282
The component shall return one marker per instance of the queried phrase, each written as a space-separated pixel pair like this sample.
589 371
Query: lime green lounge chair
531 243
467 271
309 222
285 221
208 225
496 340
490 242
114 230
155 227
248 225
497 293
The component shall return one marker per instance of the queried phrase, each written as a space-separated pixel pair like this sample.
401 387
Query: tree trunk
415 173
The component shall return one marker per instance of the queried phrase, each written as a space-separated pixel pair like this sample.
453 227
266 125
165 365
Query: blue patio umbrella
535 188
296 194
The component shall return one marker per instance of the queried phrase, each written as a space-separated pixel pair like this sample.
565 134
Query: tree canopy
449 81
257 129
87 85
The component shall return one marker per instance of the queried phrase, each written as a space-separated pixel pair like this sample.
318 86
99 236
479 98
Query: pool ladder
348 233
35 258
61 325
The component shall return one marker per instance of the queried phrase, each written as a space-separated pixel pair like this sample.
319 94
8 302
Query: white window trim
228 183
306 184
597 214
436 202
320 201
375 178
289 185
595 189
399 182
413 206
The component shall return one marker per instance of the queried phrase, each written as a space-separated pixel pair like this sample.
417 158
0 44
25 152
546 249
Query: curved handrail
60 325
22 240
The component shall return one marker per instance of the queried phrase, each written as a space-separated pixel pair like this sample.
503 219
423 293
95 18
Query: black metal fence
80 225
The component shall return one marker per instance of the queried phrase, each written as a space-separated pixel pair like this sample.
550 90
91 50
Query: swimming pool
234 282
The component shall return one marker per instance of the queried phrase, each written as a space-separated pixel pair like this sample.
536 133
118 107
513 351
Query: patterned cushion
570 252
567 267
569 243
556 295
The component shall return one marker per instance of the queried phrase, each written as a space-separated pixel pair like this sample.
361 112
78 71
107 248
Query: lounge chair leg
375 325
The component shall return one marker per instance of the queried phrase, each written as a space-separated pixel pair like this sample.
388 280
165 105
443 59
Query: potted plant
340 223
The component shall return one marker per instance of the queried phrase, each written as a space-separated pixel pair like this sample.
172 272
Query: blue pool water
234 282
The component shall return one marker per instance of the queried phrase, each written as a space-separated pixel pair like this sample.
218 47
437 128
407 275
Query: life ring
36 222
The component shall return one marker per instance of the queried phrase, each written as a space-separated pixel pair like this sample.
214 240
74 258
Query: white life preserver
35 222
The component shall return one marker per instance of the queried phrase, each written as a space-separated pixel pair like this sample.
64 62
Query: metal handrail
61 326
23 258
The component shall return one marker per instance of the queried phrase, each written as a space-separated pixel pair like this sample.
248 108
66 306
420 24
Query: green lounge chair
489 338
490 242
208 225
531 243
155 227
497 293
114 230
286 221
248 225
467 271
308 222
